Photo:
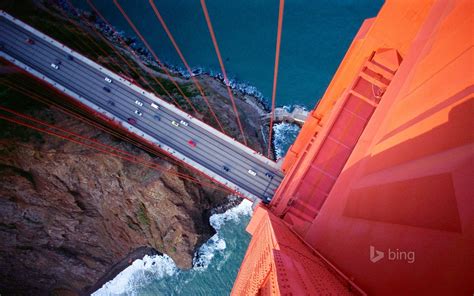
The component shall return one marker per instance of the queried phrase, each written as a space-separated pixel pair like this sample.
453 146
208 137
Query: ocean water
316 34
315 37
215 265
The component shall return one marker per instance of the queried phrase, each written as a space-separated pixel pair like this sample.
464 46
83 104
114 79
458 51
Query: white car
184 123
108 79
175 123
138 113
155 106
253 173
55 66
138 103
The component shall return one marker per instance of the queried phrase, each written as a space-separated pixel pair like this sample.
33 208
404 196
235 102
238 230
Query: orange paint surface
385 160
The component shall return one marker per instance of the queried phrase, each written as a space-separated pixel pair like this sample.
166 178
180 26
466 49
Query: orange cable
114 49
90 122
175 45
133 53
275 71
133 142
221 63
156 167
129 21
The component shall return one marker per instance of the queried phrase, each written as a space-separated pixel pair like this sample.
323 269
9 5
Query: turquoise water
315 37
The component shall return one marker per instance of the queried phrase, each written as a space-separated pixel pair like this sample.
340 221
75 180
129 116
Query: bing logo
392 255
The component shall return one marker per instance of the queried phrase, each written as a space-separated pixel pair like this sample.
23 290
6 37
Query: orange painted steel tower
379 187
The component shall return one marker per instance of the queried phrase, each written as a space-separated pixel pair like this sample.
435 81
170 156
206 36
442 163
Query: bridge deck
83 80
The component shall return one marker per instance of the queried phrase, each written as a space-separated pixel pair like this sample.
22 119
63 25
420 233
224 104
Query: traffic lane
207 160
55 55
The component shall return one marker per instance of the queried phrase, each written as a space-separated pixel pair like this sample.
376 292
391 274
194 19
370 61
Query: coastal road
215 154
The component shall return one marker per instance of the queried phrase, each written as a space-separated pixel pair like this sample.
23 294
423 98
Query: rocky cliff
68 213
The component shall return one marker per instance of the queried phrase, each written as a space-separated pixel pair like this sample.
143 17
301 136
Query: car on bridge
70 57
226 168
56 64
138 113
108 80
252 172
155 106
132 121
269 175
175 123
138 103
192 143
157 117
111 103
267 199
185 123
29 41
106 89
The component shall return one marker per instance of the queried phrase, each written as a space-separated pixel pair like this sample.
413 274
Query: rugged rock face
68 213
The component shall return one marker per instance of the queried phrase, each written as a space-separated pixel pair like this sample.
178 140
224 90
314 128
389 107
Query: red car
192 143
29 41
132 121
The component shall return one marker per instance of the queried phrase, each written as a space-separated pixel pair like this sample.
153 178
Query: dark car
132 121
269 175
156 117
106 89
111 103
70 57
225 168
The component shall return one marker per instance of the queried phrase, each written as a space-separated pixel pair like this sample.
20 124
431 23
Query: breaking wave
143 271
139 273
284 136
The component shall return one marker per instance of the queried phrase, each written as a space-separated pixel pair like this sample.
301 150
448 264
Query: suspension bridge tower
378 195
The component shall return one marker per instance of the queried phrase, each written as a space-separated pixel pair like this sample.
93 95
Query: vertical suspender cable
129 21
115 50
181 56
124 44
275 72
221 63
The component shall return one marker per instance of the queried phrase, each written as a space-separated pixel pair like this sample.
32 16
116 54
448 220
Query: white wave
234 214
142 271
139 273
215 244
284 136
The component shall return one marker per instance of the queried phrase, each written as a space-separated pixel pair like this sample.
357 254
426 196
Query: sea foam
284 134
140 272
